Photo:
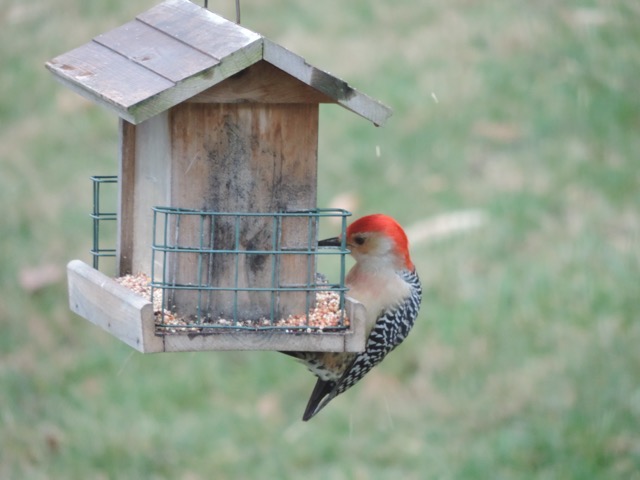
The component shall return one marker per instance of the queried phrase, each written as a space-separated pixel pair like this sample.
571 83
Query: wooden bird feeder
217 185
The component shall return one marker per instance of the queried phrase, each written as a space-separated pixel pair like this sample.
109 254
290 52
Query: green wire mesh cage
215 271
99 217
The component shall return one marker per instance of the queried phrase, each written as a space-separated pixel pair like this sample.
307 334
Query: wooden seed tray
130 318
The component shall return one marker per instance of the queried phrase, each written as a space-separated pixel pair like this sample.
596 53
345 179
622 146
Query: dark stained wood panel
256 158
126 198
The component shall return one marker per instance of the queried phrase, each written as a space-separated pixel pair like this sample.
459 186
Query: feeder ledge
130 318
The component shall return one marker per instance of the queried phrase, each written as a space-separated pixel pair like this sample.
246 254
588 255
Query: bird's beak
330 242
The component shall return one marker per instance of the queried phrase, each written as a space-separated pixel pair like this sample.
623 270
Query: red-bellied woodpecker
385 281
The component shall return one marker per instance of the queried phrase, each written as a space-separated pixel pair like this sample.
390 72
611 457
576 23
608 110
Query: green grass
524 363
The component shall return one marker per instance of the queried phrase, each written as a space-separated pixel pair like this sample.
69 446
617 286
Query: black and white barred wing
390 330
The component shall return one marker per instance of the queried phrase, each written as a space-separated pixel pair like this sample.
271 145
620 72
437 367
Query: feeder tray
164 312
130 318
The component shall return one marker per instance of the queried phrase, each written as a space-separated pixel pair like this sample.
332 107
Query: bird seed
326 314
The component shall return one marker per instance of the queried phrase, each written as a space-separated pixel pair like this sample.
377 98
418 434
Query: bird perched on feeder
385 281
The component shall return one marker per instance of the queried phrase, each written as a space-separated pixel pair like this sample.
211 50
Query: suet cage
204 276
199 275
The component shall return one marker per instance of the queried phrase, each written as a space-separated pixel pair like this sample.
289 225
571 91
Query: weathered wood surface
114 308
177 50
200 29
261 83
167 55
333 87
145 170
266 340
352 340
257 158
222 158
126 198
129 317
107 77
154 50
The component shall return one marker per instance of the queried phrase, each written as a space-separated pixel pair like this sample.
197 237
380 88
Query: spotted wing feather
389 331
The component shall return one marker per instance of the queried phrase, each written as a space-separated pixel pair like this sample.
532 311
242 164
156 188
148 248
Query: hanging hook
206 5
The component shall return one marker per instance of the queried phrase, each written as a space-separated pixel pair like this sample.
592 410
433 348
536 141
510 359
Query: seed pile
141 284
325 314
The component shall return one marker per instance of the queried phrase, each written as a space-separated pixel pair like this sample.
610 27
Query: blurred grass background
525 362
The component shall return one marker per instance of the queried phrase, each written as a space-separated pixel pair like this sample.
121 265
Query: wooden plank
150 185
126 198
357 314
193 85
329 85
352 340
104 76
227 341
234 46
145 167
114 308
156 51
170 53
132 91
264 83
200 28
125 83
129 317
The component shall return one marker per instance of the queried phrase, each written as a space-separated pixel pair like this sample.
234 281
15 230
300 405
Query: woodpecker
385 281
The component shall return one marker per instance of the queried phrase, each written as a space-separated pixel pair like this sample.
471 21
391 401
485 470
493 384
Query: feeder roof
178 49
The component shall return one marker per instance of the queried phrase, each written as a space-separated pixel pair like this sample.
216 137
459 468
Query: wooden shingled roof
177 50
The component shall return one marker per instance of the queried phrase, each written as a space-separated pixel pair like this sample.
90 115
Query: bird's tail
323 392
321 395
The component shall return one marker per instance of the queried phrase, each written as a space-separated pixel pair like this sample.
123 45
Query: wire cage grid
167 242
98 216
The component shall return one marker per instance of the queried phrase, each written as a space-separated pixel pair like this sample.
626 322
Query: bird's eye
359 240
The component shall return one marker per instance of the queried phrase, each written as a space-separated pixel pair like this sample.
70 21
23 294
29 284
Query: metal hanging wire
206 5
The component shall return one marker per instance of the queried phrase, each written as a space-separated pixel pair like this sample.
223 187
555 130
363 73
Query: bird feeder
217 186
